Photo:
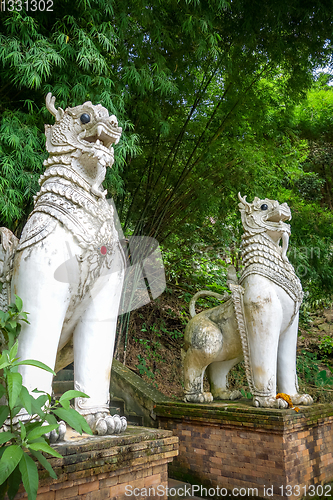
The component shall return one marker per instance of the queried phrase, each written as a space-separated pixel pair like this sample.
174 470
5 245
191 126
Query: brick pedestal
98 467
234 445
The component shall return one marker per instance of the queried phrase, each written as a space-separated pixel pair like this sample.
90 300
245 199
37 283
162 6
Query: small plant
22 439
143 368
308 368
245 394
326 347
175 334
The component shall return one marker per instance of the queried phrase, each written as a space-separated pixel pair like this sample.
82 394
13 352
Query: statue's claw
269 402
104 423
302 399
201 397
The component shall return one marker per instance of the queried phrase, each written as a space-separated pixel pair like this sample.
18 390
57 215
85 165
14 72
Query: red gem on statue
103 250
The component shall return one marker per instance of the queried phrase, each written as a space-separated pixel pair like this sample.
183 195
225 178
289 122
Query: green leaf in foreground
34 362
73 419
18 303
2 390
9 460
29 472
40 431
68 395
6 436
4 413
42 460
72 394
14 481
41 445
14 384
26 399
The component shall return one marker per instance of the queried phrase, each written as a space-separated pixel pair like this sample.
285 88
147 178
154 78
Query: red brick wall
107 485
276 449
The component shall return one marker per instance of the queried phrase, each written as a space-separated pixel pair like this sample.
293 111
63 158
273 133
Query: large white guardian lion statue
68 265
258 323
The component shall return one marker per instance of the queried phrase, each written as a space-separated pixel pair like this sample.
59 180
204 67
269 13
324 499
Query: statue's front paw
200 397
302 399
269 402
104 423
230 395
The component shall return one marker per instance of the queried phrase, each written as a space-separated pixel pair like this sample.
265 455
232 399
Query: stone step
61 386
64 381
65 374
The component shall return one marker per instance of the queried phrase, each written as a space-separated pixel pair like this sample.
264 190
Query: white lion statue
258 323
68 266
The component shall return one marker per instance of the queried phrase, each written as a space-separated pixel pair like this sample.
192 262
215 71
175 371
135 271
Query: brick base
234 445
97 468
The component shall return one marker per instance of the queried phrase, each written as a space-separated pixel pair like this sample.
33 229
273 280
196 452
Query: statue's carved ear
57 113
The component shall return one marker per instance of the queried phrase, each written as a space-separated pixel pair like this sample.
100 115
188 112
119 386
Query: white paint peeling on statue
259 323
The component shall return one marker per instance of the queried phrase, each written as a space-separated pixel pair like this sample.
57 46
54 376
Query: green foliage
10 325
246 394
326 347
143 368
309 370
26 435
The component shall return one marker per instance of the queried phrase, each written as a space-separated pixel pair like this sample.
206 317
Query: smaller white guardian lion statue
258 323
68 265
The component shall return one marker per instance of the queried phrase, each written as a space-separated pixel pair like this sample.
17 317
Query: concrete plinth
265 452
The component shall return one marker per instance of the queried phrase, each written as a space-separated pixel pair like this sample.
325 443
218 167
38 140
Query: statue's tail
8 244
231 278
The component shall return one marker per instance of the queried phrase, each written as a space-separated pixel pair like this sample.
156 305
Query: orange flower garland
287 398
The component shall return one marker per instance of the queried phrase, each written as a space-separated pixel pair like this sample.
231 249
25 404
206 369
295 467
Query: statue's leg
93 341
217 373
286 365
205 338
194 369
46 300
264 315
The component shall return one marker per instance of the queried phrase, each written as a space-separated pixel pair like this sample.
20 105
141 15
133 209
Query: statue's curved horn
50 100
57 113
243 200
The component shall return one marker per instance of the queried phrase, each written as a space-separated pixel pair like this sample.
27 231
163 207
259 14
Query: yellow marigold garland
287 398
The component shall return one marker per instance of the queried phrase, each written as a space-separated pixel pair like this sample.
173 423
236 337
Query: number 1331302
27 5
296 490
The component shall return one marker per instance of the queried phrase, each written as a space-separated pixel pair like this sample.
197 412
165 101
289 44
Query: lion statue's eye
85 118
264 207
